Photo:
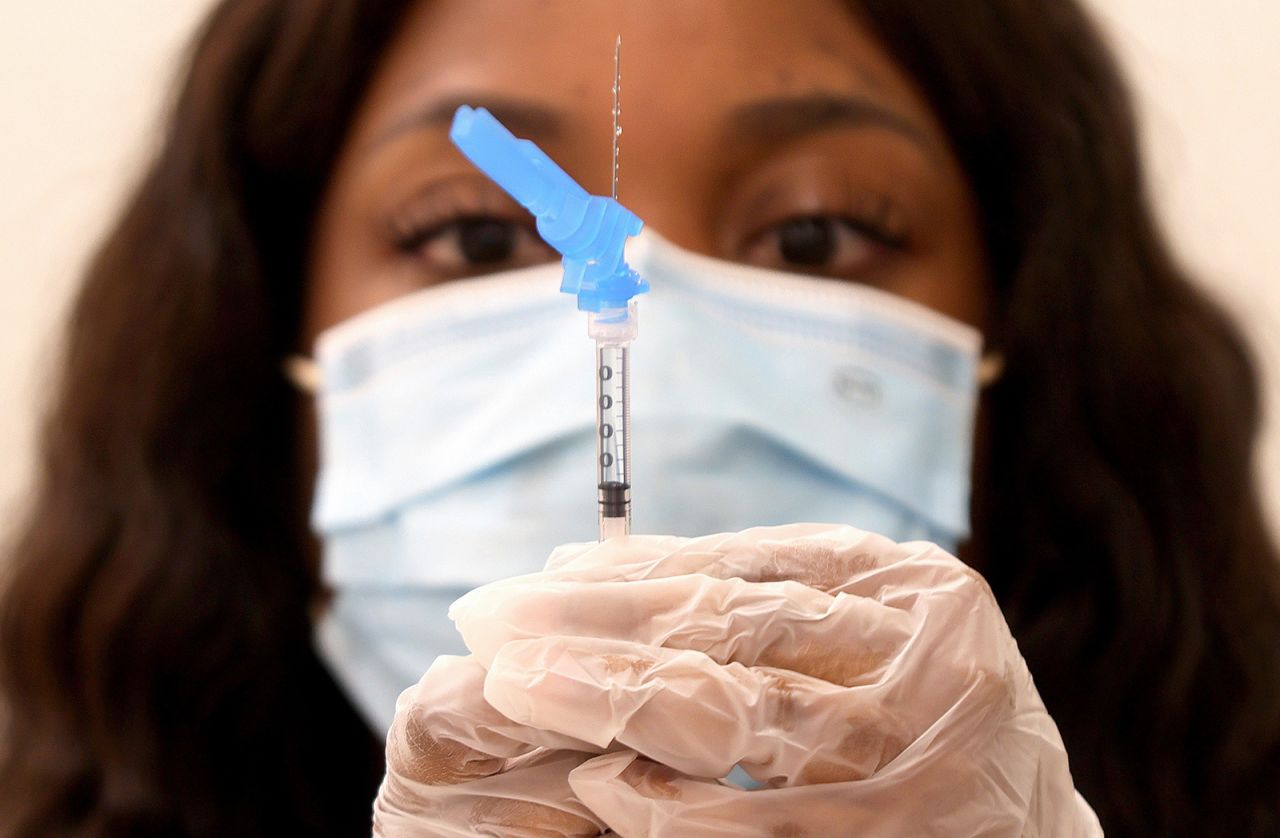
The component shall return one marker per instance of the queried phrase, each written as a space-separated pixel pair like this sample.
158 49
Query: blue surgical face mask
457 434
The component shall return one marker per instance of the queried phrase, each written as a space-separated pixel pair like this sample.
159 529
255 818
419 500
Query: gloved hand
873 687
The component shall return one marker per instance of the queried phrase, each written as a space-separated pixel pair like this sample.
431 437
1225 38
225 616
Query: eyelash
873 229
412 239
461 229
852 243
446 207
872 215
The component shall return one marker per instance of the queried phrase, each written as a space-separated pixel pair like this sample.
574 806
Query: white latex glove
874 687
455 766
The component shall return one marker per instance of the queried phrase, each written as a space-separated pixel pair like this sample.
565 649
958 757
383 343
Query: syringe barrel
613 432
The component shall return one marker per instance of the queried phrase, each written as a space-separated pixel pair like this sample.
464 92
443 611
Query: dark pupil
485 240
806 241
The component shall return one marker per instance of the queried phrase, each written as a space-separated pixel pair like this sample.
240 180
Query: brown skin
703 161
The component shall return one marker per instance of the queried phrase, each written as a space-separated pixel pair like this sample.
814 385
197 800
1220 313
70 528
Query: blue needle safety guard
589 231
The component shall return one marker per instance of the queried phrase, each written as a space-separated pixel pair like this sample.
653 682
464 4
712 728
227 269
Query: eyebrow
785 118
523 117
767 120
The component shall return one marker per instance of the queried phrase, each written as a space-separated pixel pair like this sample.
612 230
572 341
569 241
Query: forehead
685 62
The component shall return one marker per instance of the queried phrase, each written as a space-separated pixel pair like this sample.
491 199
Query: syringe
613 333
589 231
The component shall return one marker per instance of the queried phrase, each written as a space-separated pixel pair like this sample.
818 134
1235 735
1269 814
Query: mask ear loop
303 373
990 368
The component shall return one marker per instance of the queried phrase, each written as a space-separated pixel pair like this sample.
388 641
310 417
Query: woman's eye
821 244
469 246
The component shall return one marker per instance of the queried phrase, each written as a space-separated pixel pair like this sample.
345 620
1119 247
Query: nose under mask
457 434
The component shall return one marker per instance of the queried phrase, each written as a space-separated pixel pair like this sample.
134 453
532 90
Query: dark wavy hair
1118 518
155 636
155 652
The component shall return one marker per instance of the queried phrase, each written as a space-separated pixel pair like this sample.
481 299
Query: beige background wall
81 82
81 85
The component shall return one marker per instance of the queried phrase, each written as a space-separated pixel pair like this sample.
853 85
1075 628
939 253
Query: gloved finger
529 799
844 560
618 559
685 710
818 555
626 790
843 639
456 766
640 552
638 797
632 548
946 793
830 557
445 732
